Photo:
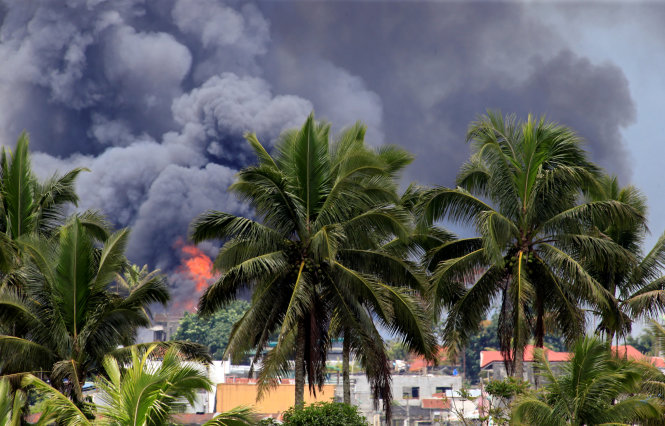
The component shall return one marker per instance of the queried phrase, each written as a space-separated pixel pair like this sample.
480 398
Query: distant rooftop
628 351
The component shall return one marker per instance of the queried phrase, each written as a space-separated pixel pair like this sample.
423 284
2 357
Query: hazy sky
154 96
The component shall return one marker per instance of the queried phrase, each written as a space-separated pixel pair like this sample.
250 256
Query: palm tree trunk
346 381
518 373
540 333
540 322
300 366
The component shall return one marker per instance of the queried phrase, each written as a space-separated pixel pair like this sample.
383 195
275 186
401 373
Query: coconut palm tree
67 318
355 325
29 207
594 387
521 191
639 285
149 391
146 392
313 260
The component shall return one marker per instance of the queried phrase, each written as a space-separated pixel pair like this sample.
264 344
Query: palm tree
594 387
135 277
639 285
357 328
67 319
313 261
11 404
28 206
149 391
521 190
146 392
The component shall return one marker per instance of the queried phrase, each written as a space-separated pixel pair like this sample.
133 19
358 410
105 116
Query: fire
197 268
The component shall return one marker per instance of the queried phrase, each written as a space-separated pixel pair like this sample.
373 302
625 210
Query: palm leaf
18 190
238 416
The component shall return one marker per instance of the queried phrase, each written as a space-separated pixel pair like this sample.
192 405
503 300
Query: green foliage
146 393
397 350
506 389
238 416
11 404
145 390
484 339
643 343
325 414
68 319
28 206
521 191
212 331
556 342
594 387
502 393
315 260
638 283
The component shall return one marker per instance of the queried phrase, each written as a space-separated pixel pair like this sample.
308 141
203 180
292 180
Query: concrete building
492 365
244 392
163 327
408 390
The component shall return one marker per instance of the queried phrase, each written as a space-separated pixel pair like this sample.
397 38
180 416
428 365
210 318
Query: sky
154 96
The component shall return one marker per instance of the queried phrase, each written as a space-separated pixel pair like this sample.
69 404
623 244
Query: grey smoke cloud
437 65
154 96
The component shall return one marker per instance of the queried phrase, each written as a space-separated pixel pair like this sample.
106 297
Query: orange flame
197 267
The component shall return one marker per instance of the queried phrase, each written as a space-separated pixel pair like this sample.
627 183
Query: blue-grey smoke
154 96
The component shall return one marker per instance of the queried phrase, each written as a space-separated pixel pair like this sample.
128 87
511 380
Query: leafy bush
506 389
212 331
325 414
503 392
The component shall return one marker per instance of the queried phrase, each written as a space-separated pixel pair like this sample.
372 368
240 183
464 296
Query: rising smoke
154 96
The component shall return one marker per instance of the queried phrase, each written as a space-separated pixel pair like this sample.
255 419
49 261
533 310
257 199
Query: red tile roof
658 362
631 352
417 362
628 351
436 403
488 357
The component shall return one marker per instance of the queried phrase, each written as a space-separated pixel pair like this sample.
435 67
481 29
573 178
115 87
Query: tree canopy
212 331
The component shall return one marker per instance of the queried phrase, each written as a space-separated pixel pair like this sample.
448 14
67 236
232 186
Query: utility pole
407 422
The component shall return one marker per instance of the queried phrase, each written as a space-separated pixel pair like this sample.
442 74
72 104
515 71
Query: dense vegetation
325 414
333 251
213 331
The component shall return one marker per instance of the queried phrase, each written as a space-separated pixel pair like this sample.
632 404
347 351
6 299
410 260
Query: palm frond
58 406
18 190
186 350
238 416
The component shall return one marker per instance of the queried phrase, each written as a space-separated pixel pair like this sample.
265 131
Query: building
163 327
443 366
409 390
492 363
236 392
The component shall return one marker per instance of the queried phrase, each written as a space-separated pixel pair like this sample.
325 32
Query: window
442 389
410 392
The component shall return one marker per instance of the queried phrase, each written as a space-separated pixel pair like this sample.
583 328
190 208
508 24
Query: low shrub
325 414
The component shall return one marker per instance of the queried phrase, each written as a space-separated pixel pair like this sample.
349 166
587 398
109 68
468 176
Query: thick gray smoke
154 96
437 65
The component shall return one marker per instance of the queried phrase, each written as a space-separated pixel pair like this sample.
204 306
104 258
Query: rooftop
628 351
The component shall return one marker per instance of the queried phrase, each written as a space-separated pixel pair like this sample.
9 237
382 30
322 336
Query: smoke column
154 96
